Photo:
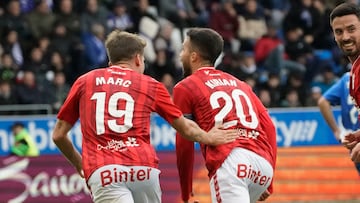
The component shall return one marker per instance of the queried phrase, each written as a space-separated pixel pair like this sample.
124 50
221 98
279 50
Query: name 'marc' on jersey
112 81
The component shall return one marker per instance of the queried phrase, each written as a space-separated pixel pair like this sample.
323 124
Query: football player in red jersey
114 105
345 23
240 171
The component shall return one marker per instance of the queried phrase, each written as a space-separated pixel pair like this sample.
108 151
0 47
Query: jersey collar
206 68
119 67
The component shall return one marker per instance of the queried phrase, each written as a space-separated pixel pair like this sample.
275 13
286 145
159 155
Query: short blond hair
122 46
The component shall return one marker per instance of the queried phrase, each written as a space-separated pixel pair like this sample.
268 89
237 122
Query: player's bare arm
191 131
65 145
355 153
326 111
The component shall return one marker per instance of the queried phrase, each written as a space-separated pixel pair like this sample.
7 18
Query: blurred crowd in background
283 48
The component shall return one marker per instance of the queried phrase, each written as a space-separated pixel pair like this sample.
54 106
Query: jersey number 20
231 101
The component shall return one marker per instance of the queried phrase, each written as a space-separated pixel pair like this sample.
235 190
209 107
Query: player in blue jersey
338 94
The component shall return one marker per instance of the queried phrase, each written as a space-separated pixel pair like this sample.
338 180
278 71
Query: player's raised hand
218 135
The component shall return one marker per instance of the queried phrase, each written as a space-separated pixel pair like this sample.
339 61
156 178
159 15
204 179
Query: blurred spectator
315 95
58 91
58 64
275 10
265 98
44 45
252 25
27 91
63 42
12 45
161 66
296 47
37 65
252 82
41 20
24 144
274 87
14 19
295 81
302 14
8 69
29 5
242 65
94 48
66 16
223 19
201 8
323 37
291 99
168 51
70 48
120 17
270 53
325 79
169 82
94 13
140 9
179 12
7 96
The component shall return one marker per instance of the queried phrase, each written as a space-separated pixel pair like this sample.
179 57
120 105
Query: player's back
115 109
219 98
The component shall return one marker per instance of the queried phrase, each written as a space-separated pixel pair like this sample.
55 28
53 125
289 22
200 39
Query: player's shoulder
148 78
94 72
184 82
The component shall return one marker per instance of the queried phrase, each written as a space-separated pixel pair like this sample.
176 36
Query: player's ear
193 56
138 59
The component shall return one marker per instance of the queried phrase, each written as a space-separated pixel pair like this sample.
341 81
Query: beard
187 69
349 52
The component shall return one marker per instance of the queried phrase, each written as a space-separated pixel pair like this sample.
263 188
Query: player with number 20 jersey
220 98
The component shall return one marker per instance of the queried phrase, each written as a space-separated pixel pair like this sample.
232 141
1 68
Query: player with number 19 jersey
211 97
114 105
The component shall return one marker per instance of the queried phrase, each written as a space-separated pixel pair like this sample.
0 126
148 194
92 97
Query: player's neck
124 65
352 59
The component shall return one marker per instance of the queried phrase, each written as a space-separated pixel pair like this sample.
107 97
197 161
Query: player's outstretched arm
65 145
191 131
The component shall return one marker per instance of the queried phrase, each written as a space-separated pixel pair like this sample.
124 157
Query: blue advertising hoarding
295 127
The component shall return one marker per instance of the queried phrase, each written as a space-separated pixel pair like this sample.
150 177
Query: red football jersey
212 97
114 106
354 85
